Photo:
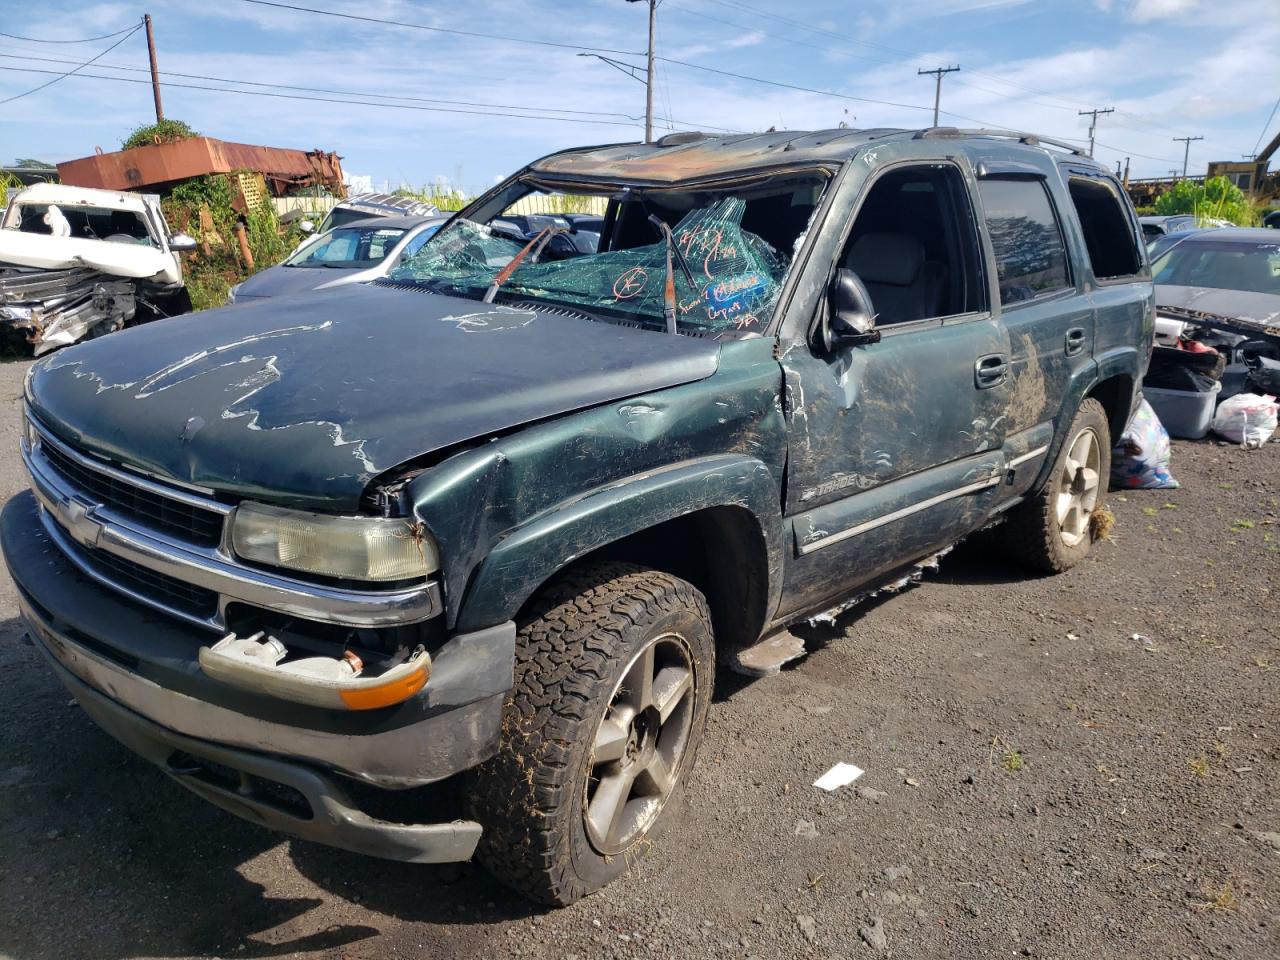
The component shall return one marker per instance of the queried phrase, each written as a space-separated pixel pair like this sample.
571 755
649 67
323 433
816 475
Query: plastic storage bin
1184 413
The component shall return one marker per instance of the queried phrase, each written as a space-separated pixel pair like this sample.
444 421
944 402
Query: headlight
354 548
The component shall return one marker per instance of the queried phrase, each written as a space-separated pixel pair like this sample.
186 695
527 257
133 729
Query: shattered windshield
729 254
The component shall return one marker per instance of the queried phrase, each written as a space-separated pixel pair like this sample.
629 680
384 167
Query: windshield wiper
539 241
669 289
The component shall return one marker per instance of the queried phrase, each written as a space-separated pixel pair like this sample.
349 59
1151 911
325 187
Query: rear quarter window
1031 258
1108 231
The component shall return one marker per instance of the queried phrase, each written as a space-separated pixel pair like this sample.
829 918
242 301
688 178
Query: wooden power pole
155 71
1186 153
648 95
937 73
1093 123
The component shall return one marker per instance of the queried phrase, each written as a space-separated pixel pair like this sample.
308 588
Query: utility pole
1093 122
1126 173
1186 152
155 71
937 73
648 93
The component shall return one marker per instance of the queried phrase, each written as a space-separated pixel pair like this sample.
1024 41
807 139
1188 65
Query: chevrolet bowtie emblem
83 527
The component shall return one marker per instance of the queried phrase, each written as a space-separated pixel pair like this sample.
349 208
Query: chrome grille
162 545
153 510
151 585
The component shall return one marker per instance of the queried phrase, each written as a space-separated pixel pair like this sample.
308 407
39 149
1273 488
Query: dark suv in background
488 525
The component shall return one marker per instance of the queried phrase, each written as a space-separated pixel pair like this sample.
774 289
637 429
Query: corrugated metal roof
167 163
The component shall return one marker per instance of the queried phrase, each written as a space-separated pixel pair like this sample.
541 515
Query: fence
316 205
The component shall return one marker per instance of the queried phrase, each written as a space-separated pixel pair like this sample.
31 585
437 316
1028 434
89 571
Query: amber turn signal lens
384 695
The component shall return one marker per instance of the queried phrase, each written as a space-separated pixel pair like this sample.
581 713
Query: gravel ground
1040 782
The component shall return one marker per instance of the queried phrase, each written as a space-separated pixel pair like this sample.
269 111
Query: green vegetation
163 131
442 197
1215 199
8 182
216 265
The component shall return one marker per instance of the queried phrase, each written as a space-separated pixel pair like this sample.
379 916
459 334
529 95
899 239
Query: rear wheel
1054 530
613 679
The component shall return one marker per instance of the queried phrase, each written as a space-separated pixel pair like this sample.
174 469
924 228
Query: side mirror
851 320
181 243
307 226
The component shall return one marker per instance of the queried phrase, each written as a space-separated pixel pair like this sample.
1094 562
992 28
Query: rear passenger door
1049 324
1116 276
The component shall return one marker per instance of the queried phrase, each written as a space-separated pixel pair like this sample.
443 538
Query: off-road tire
581 634
1032 534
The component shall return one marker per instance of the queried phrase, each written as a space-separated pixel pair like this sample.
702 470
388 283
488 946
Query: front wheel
612 684
1053 530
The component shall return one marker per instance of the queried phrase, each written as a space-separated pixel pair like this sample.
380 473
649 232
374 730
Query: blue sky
1169 67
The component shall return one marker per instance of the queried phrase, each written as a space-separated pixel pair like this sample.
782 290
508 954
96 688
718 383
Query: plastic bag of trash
1248 418
1140 460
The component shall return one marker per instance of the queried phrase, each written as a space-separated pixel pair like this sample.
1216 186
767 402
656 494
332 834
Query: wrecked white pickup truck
78 263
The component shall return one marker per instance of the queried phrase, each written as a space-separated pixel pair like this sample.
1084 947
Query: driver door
895 446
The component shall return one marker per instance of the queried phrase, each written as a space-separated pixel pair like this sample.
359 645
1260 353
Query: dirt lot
1040 782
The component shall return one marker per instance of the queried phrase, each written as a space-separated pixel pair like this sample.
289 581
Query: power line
1134 153
1266 126
77 69
630 122
449 30
105 36
1060 104
356 93
792 86
877 46
343 93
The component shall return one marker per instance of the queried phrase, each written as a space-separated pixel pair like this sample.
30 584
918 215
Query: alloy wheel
639 745
1078 487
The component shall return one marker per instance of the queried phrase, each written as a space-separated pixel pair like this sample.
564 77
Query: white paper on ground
841 775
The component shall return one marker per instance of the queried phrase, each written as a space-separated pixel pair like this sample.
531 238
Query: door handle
990 371
1075 342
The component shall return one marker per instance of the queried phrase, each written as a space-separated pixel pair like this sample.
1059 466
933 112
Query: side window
1108 234
1031 259
914 246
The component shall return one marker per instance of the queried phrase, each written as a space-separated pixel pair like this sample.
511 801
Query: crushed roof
709 156
688 156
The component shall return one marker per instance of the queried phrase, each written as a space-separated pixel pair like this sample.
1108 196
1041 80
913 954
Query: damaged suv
443 564
76 263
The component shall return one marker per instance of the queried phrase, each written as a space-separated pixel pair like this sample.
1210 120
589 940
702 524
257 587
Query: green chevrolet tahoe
442 565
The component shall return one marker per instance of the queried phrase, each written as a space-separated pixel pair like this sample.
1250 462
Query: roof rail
1030 139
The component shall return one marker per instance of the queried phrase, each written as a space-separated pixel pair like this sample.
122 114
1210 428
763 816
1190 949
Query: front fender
535 552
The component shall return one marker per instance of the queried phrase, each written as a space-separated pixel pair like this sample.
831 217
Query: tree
1215 199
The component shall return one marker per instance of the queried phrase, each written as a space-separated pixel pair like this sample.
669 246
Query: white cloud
1163 83
1145 11
747 40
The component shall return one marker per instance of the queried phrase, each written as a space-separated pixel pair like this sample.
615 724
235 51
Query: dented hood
303 400
133 260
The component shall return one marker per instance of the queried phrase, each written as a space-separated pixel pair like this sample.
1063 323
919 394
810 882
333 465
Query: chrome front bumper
147 665
70 518
272 791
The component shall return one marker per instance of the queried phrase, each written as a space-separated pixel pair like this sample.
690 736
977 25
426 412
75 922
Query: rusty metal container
165 164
